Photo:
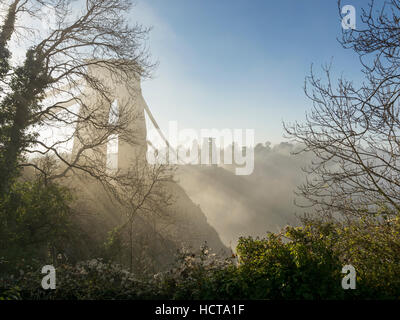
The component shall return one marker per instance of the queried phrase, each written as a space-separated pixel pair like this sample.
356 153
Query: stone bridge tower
123 92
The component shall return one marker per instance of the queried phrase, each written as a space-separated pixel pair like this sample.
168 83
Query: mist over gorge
248 205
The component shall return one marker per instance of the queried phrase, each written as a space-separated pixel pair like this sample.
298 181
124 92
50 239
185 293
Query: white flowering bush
191 276
93 279
197 275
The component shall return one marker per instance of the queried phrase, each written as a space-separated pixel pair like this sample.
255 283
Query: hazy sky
239 64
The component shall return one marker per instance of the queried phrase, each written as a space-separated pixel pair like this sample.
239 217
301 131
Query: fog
248 205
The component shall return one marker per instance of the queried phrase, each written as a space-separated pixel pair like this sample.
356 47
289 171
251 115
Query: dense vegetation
298 263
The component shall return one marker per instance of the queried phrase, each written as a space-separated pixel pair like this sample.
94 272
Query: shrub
34 220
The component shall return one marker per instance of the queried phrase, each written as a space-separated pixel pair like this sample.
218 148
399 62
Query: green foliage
298 263
301 268
201 275
113 245
34 220
92 279
372 246
17 108
11 294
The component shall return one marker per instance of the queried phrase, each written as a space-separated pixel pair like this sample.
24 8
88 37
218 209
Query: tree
353 130
143 197
85 55
35 220
84 35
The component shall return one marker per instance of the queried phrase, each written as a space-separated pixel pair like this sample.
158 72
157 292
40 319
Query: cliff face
190 225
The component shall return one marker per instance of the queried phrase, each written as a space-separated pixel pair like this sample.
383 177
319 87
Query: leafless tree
143 196
83 35
353 129
86 56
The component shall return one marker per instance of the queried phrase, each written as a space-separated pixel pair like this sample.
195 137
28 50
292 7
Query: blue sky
239 64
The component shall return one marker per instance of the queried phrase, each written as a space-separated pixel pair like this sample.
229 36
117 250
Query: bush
34 221
298 263
372 245
86 280
300 268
